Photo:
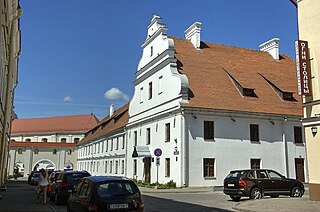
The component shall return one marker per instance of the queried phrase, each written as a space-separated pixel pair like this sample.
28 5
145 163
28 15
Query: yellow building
309 30
9 54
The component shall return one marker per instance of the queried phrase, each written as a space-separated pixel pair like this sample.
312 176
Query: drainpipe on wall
285 147
126 148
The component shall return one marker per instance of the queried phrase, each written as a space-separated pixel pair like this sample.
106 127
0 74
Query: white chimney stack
271 46
193 34
111 110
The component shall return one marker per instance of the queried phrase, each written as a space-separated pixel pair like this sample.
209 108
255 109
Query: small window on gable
160 85
141 95
151 51
44 140
20 151
63 140
36 151
150 90
54 151
28 140
249 92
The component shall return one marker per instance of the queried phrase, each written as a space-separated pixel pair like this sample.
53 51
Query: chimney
193 34
111 110
271 46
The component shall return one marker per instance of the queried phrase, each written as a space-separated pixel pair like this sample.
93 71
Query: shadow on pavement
156 204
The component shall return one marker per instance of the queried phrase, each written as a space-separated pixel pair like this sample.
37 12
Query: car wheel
235 198
56 199
255 193
296 192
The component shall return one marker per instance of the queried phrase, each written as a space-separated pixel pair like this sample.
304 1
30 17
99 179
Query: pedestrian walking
42 186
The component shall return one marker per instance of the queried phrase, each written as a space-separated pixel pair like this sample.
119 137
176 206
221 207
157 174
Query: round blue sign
157 152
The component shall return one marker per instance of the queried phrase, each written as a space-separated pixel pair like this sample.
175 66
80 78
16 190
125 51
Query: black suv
63 185
255 183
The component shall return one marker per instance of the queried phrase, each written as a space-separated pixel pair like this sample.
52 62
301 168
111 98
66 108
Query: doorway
147 169
299 163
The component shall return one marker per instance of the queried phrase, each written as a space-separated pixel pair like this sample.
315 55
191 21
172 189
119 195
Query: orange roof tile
211 87
40 144
108 124
54 124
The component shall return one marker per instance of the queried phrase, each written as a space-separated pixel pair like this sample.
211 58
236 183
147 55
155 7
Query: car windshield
73 178
117 188
235 174
36 175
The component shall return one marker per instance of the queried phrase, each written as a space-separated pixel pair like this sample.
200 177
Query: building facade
9 54
308 20
201 109
48 143
103 149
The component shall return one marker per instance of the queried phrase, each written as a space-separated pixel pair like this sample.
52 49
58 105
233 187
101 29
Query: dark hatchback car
63 185
256 183
100 193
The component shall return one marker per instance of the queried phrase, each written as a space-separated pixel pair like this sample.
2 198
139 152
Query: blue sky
79 56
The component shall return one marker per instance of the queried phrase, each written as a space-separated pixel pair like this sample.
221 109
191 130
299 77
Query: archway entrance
44 164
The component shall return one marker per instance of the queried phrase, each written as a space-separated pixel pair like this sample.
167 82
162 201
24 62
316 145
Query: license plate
230 185
118 206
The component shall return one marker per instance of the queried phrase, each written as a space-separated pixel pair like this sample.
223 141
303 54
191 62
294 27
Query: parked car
52 177
256 183
63 185
34 178
101 193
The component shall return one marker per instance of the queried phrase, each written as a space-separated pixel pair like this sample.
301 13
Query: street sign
157 161
158 152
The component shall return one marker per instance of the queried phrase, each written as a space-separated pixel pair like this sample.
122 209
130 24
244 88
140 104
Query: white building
103 149
212 108
48 143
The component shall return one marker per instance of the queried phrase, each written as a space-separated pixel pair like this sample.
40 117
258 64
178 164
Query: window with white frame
122 167
135 167
110 166
123 142
141 94
117 164
208 167
117 143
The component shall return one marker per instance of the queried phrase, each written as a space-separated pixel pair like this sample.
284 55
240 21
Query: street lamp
314 130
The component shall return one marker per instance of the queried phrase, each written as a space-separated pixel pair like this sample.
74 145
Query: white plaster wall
157 128
232 148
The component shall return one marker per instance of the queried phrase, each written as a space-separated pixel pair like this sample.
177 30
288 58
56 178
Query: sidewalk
20 197
282 204
267 204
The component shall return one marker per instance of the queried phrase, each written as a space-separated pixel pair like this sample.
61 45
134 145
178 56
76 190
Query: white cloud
115 93
67 99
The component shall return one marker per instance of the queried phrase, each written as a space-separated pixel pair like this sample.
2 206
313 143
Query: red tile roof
108 125
41 144
211 88
54 124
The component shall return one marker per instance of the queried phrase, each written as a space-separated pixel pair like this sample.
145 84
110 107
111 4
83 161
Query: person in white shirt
42 186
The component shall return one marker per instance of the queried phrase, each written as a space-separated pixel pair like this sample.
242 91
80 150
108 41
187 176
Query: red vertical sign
303 68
